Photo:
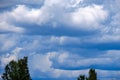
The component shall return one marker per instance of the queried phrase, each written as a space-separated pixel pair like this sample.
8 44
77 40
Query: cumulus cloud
90 17
5 59
53 12
25 15
41 62
56 12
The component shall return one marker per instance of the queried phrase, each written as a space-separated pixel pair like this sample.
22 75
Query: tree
92 75
17 70
81 77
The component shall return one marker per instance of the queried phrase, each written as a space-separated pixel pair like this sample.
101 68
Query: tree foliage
17 70
81 77
92 75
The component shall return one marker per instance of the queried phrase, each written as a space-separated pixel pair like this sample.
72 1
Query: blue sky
62 38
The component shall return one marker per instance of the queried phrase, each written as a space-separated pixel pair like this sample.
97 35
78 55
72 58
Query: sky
62 38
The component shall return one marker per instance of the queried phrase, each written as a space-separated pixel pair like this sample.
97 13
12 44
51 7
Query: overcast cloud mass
62 38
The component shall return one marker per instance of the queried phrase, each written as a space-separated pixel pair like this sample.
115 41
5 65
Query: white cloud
58 73
8 41
68 12
0 76
57 12
76 61
60 40
112 6
62 57
114 55
104 38
101 74
115 21
27 15
6 27
116 18
41 62
79 61
63 40
17 50
107 73
5 59
89 17
62 3
23 14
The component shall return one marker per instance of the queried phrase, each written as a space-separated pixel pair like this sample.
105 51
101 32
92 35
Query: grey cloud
6 3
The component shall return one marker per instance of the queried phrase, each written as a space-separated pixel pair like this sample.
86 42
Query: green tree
92 75
17 70
81 77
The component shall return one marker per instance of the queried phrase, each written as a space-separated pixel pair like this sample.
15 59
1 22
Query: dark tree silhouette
17 70
92 74
81 77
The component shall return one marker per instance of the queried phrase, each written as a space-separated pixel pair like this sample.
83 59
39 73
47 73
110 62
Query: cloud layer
62 38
